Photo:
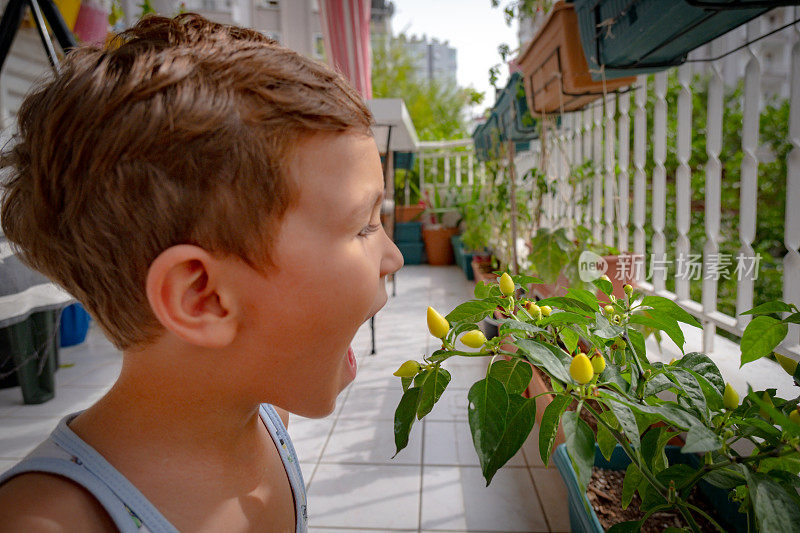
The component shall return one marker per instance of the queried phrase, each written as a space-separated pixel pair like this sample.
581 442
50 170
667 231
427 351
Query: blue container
458 250
404 160
74 325
581 521
631 38
408 232
413 252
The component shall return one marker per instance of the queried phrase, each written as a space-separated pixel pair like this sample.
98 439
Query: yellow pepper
598 364
507 284
546 310
789 365
409 369
581 369
730 398
474 338
628 288
437 324
794 416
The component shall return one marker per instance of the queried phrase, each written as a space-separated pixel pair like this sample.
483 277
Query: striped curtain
346 27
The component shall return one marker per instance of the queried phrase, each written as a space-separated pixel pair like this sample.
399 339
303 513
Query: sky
474 29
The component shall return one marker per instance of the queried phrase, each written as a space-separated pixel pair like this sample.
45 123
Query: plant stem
630 453
706 516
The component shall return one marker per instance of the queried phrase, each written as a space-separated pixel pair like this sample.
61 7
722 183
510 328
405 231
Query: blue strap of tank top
119 485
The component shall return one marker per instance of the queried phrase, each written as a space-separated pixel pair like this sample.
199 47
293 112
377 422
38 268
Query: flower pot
408 232
413 252
408 213
458 250
619 275
538 385
582 517
654 34
437 245
30 350
554 67
512 110
479 266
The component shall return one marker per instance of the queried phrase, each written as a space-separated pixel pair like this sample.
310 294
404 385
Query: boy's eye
372 228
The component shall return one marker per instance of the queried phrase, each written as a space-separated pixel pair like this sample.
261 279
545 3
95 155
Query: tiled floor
354 484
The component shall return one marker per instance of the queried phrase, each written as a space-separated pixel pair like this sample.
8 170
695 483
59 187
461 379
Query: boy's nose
392 258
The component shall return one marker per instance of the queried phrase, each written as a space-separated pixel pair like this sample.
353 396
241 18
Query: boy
214 200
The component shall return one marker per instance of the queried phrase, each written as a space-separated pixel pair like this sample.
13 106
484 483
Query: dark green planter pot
652 35
408 232
413 252
582 518
31 347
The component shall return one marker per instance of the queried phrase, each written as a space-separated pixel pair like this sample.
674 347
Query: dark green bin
514 117
632 38
29 356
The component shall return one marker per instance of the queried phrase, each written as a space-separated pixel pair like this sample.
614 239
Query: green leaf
541 355
703 365
603 285
700 439
406 383
605 439
637 342
626 421
792 319
580 446
471 311
663 323
724 478
775 509
584 296
547 255
404 417
670 308
712 395
482 290
769 308
488 406
432 383
570 339
774 414
515 375
692 389
657 383
511 325
566 303
521 415
671 414
681 474
633 477
565 317
549 425
606 330
760 337
524 280
612 376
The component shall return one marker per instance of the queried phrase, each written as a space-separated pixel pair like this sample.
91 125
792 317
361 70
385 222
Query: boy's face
331 258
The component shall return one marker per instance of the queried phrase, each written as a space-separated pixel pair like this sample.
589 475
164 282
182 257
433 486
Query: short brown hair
179 132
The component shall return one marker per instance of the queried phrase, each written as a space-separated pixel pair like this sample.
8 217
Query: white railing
614 135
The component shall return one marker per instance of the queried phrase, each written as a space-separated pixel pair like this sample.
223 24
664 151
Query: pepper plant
596 359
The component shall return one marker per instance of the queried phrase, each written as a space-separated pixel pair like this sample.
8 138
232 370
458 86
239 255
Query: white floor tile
66 401
365 496
452 406
371 441
371 404
18 436
456 498
450 444
309 436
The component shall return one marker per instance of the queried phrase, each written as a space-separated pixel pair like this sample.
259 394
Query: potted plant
435 234
634 403
554 68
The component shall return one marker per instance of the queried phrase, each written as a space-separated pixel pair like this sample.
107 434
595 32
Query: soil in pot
605 495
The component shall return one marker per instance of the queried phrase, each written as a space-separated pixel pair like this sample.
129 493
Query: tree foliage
438 109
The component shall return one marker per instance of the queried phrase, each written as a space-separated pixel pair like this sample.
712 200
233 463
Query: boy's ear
185 292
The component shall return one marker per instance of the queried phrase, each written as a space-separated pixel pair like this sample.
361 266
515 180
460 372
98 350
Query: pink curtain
346 27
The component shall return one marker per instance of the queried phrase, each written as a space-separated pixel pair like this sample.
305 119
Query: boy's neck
165 398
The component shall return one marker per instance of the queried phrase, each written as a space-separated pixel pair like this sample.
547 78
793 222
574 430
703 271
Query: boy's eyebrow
372 200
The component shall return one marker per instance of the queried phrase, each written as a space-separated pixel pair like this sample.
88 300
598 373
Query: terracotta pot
538 385
479 273
438 246
554 67
619 273
408 213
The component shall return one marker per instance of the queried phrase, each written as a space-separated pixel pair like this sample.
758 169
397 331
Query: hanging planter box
624 38
514 117
404 160
555 70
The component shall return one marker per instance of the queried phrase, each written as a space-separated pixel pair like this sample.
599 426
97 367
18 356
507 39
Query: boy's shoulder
44 502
